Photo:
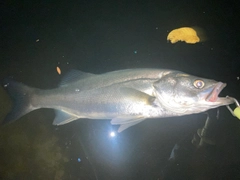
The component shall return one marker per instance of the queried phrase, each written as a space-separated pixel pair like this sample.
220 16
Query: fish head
183 94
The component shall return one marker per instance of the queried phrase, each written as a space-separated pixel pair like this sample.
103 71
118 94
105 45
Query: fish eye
198 84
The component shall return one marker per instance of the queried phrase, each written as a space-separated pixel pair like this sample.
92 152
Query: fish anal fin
62 117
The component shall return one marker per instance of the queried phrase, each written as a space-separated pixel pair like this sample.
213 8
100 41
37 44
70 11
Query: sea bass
127 97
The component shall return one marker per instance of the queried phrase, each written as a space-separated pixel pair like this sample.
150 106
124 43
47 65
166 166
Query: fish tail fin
20 95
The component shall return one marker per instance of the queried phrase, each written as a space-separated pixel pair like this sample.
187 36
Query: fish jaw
213 99
213 96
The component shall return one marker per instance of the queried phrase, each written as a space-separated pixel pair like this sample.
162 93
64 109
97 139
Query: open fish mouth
213 96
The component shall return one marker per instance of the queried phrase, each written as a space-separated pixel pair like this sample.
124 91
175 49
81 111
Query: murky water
98 37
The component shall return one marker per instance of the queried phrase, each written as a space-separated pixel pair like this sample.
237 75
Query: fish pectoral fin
63 117
137 96
126 122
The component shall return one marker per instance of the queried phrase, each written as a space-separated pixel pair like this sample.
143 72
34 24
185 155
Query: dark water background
101 36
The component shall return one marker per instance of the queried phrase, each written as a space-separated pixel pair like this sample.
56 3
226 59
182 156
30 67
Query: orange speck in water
58 70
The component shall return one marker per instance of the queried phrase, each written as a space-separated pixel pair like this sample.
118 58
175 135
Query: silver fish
127 97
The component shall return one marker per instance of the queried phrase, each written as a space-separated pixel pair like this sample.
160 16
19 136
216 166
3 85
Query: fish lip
213 96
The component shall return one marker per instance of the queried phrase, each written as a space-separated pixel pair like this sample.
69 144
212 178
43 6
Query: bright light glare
112 134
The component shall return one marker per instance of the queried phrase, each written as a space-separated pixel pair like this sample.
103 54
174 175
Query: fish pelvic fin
20 95
126 122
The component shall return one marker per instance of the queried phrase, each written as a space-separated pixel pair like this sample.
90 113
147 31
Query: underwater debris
187 34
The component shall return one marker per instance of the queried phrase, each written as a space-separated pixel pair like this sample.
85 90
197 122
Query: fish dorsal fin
74 75
62 117
126 122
